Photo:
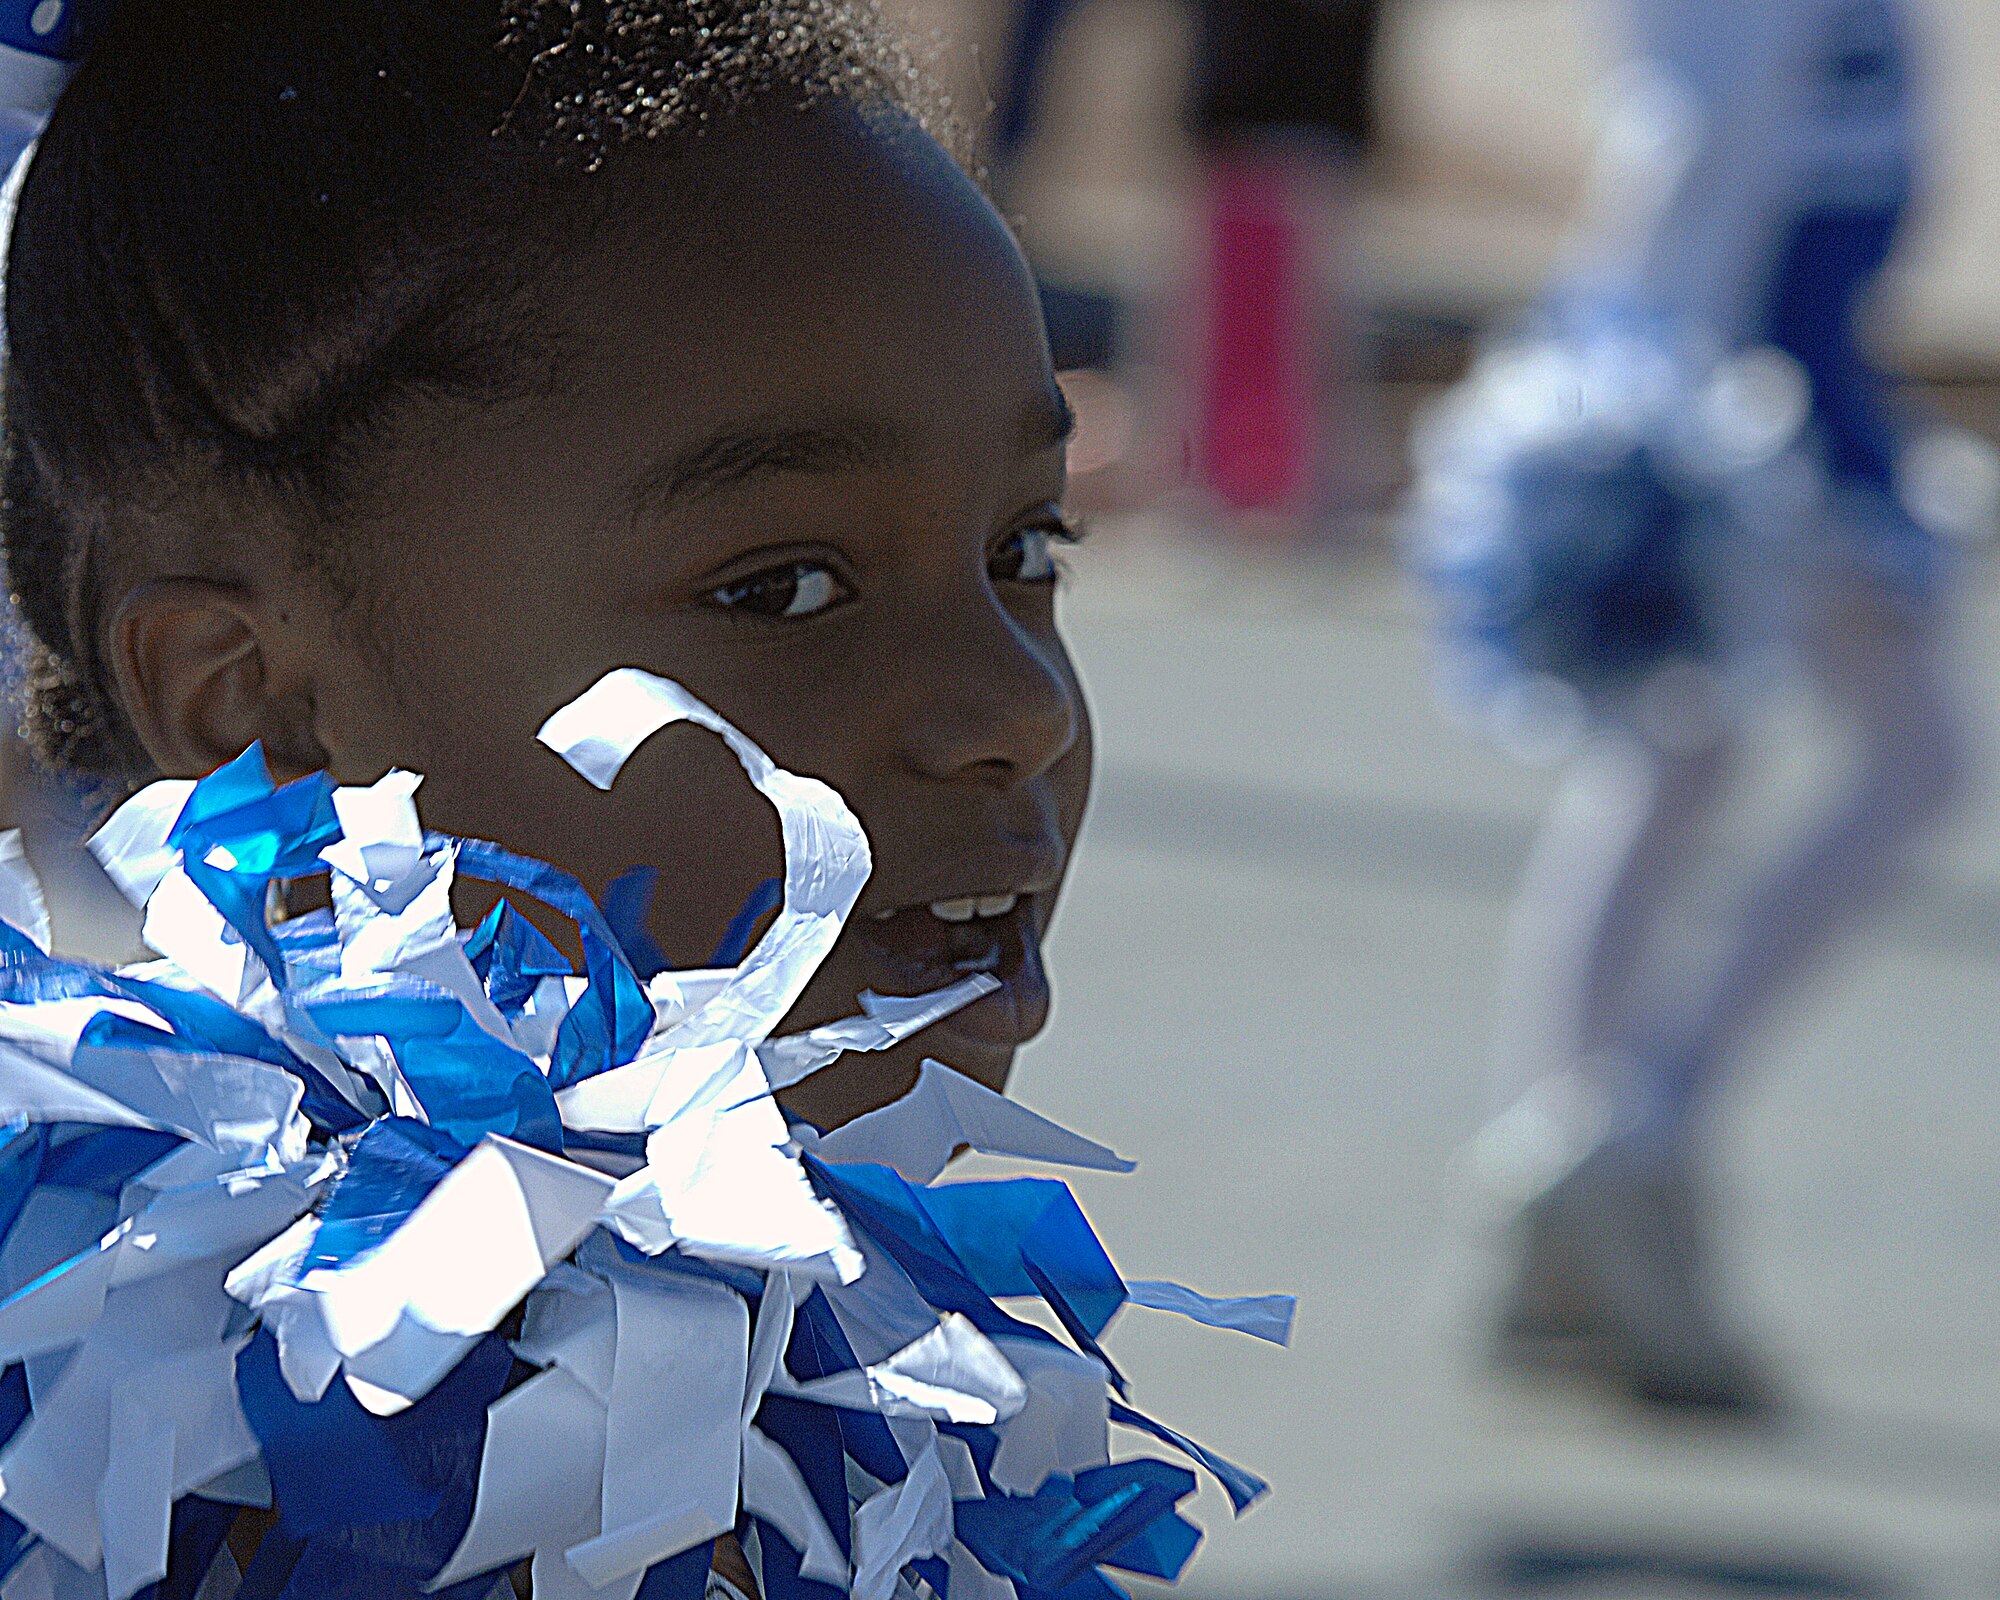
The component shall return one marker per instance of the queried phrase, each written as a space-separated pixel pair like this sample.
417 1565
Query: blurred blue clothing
1756 166
1781 190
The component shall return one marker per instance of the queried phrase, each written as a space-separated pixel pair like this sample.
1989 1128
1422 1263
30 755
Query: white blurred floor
1273 972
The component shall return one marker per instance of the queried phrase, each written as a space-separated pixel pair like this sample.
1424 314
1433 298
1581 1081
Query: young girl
475 390
378 380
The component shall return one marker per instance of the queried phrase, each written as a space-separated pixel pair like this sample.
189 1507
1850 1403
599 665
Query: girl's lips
918 951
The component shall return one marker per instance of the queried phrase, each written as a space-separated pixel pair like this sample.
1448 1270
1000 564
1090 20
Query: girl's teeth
971 906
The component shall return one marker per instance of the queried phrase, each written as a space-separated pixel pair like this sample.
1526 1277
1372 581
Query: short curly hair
252 234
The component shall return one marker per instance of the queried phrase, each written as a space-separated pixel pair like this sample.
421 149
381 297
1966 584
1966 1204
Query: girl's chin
984 1061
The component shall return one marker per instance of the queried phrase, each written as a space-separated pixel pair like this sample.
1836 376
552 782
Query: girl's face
804 454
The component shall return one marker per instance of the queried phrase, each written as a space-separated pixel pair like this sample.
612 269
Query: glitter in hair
604 72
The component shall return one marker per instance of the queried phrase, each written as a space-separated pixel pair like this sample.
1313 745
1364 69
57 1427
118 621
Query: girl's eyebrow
753 452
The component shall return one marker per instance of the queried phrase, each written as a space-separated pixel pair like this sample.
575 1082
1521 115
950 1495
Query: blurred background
1276 963
1277 960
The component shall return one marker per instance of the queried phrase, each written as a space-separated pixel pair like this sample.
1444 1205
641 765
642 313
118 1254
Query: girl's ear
195 673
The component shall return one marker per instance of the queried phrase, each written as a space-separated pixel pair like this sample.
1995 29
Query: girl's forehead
827 266
811 209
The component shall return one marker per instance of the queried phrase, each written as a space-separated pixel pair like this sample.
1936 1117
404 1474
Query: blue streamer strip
611 1019
239 833
1243 1487
742 930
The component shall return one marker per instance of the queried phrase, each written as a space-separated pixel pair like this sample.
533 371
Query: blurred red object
1255 396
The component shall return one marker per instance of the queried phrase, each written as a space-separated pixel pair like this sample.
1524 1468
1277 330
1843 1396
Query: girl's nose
994 704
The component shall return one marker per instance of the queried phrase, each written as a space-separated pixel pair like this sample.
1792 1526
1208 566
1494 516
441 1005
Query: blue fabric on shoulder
63 31
1831 260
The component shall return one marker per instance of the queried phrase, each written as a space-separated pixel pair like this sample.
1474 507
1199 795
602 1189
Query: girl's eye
1028 555
792 589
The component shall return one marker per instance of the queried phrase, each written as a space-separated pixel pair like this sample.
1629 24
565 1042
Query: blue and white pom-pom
1584 497
461 1258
